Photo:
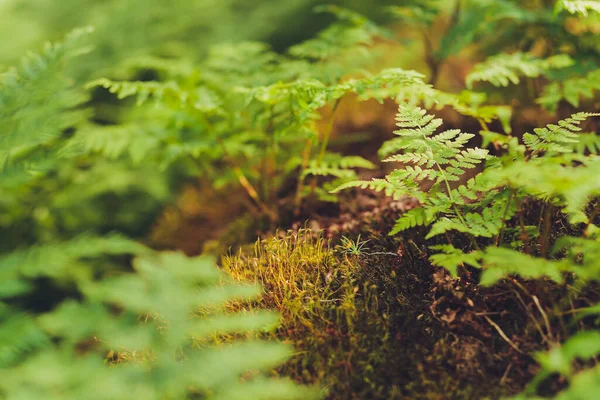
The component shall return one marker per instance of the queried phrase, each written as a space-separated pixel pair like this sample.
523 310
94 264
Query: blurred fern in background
73 301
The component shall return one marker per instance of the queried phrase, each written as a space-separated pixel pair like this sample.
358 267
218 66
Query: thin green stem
501 232
327 134
324 143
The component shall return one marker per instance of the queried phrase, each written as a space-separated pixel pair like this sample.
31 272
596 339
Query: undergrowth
94 149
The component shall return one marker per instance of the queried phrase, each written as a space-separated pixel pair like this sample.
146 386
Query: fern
572 90
29 119
498 263
412 218
73 302
53 338
503 69
439 158
556 138
421 12
587 143
488 223
578 6
337 166
352 30
451 258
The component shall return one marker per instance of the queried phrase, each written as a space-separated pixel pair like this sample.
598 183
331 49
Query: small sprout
350 247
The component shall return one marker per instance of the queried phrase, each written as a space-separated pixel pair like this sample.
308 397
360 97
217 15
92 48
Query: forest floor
401 328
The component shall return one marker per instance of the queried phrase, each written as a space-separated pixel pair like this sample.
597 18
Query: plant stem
325 140
324 143
501 232
545 238
244 182
524 235
300 185
454 207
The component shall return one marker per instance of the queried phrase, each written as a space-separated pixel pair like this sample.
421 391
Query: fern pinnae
504 69
557 138
142 90
582 7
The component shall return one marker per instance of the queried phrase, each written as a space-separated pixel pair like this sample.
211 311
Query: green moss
362 323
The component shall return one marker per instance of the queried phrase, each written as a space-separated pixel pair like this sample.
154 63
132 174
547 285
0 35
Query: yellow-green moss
360 322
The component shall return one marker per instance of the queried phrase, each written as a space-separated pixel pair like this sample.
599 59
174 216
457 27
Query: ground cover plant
406 208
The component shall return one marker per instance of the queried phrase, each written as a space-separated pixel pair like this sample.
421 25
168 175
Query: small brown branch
544 315
503 335
245 183
545 237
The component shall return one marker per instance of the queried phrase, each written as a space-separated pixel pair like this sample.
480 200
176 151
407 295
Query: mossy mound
375 321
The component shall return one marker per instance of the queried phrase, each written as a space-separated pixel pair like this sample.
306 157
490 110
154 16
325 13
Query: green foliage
30 121
81 180
451 258
502 69
61 353
572 90
73 301
350 32
556 138
436 160
578 6
262 122
582 346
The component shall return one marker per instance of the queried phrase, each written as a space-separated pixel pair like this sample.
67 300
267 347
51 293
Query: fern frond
394 189
503 69
572 90
382 85
441 154
57 261
28 119
419 216
578 6
136 140
142 90
587 143
439 158
451 258
351 31
499 263
557 138
570 188
423 12
486 223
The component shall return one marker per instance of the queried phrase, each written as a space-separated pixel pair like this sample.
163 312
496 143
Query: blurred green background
174 28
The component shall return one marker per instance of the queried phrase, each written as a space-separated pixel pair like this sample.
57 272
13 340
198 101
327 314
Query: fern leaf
451 258
421 12
557 138
393 189
572 90
142 90
351 31
28 119
419 216
578 6
587 143
503 69
499 263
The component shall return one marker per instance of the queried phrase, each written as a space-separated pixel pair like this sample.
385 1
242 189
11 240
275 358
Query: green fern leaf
503 69
578 6
499 263
557 138
451 258
572 90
